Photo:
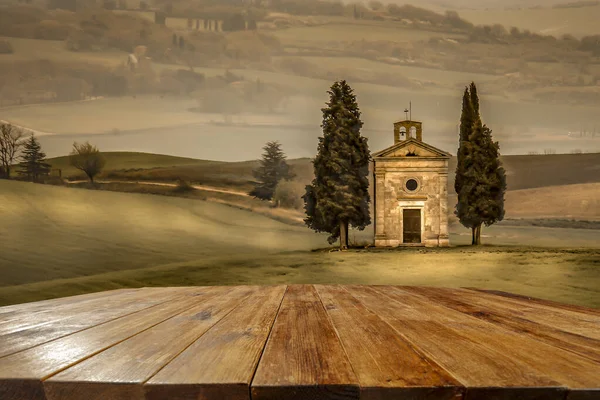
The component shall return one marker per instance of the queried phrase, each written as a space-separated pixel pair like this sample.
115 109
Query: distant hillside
524 172
163 168
535 171
574 202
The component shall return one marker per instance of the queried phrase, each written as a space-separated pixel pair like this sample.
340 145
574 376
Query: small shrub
288 194
183 186
6 47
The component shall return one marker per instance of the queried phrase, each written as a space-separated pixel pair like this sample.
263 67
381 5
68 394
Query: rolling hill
524 172
58 228
64 241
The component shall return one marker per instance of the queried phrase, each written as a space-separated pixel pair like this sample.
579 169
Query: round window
412 185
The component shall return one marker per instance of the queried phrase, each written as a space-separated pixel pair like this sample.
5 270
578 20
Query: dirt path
199 187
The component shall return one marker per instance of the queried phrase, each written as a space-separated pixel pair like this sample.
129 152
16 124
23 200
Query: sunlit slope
579 202
124 160
54 232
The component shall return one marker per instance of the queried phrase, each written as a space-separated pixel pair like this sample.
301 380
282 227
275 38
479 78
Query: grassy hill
57 228
575 202
164 168
524 172
124 160
536 171
64 241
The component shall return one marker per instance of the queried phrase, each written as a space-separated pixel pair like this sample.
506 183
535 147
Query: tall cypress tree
338 196
472 191
492 210
33 163
474 100
480 178
273 168
466 126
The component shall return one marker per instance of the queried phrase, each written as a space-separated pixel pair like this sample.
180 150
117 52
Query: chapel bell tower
408 129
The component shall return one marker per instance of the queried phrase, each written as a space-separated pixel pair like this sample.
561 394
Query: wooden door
411 226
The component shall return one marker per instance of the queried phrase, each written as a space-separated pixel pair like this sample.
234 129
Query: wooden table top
299 342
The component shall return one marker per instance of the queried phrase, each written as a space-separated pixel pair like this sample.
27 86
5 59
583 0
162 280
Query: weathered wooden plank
529 300
576 322
133 361
489 360
67 320
221 363
64 300
16 311
303 357
523 319
21 373
386 364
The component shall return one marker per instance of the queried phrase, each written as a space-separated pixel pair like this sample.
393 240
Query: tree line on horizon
32 165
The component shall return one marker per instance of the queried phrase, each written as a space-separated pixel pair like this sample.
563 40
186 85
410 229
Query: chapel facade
410 195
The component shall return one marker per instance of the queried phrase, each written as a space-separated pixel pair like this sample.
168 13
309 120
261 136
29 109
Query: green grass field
61 241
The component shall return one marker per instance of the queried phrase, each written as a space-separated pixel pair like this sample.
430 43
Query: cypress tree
480 178
338 197
466 126
492 209
474 100
273 168
33 163
472 191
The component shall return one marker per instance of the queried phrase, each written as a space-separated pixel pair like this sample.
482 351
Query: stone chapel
410 195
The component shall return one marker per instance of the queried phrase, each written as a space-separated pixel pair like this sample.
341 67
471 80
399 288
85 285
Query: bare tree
11 140
87 158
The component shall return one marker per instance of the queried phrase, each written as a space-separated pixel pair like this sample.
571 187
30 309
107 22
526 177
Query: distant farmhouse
410 196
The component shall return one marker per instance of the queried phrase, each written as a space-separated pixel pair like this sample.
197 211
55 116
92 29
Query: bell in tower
408 129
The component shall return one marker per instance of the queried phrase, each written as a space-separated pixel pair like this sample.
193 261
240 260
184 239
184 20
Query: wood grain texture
526 319
387 366
576 322
136 359
299 342
19 316
221 363
482 356
303 357
24 308
21 373
32 330
533 300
